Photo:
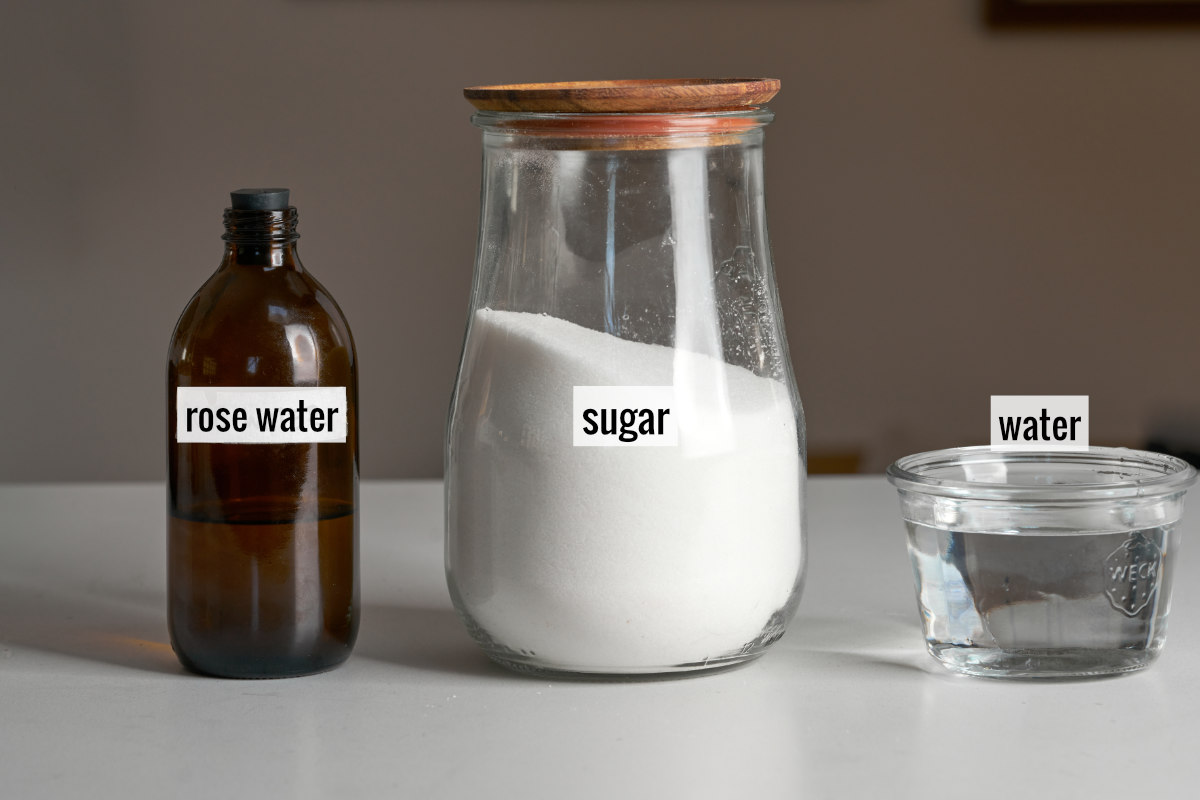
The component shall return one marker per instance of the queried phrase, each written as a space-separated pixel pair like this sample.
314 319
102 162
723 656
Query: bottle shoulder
262 327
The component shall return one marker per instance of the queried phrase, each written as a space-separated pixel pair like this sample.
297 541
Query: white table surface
93 703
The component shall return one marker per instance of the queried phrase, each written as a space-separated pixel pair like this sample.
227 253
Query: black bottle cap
260 199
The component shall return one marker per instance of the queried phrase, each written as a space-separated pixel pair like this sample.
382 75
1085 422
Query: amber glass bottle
262 460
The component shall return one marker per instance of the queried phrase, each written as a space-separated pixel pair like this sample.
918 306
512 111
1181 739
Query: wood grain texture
626 96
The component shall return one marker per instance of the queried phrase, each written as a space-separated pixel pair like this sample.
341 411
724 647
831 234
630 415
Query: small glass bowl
1043 564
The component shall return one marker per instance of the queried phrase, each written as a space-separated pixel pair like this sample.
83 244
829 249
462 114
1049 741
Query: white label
260 414
1039 422
624 416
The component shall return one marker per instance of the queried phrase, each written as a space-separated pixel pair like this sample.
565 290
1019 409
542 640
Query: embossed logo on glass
1131 574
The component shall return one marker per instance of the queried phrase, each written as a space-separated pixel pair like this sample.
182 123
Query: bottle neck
262 255
256 238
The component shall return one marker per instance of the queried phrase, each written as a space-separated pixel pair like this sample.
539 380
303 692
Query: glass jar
1043 564
625 451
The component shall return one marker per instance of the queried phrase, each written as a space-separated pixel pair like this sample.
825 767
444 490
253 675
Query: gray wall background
955 211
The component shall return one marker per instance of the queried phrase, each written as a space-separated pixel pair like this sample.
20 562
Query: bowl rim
1172 475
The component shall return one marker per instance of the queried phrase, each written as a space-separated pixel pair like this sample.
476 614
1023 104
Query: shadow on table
122 630
435 639
852 643
130 631
422 638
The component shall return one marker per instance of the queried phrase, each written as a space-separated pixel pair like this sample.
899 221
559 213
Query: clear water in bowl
1043 603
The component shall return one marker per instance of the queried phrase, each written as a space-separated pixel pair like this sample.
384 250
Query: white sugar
617 558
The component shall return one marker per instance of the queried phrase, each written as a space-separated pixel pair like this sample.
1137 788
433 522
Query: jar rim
1097 474
716 127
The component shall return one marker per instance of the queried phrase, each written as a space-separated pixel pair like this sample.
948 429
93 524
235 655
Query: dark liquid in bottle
253 596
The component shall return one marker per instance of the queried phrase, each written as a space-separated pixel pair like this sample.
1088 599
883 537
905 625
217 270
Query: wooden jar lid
695 95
